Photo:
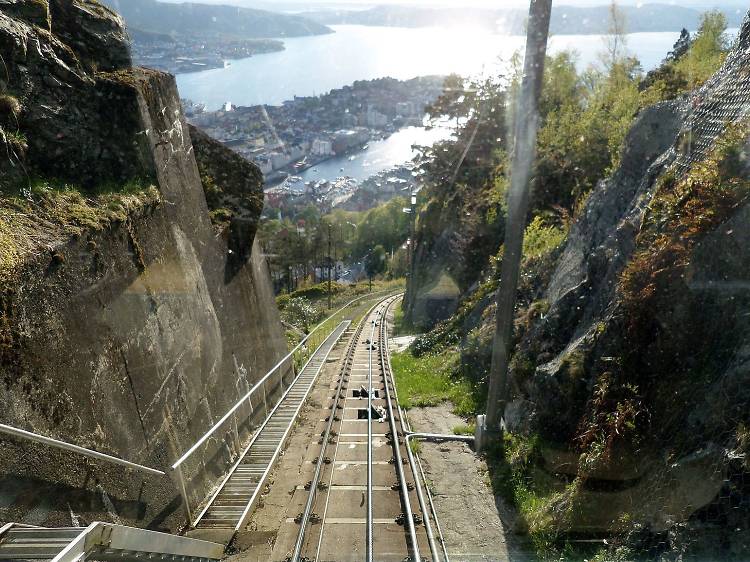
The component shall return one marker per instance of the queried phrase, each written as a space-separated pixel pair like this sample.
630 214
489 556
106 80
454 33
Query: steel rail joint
318 468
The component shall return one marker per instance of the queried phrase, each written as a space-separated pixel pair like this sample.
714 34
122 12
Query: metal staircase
101 541
231 504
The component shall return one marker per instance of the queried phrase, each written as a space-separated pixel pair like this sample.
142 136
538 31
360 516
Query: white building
322 147
375 118
265 165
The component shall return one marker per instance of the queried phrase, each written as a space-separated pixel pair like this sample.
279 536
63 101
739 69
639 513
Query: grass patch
415 446
430 380
465 429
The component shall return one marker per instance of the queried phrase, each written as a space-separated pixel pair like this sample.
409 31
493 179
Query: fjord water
315 65
379 155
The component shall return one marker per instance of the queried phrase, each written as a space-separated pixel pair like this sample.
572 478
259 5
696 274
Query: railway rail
366 499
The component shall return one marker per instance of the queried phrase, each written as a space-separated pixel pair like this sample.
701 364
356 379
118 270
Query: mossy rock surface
34 12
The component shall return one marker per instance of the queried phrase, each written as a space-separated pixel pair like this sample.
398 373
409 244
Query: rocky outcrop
120 329
234 192
79 109
34 12
454 242
648 319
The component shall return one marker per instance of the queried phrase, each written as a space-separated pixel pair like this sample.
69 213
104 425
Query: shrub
319 291
301 313
541 239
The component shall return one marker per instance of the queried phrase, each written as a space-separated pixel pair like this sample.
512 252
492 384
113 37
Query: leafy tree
708 51
375 262
386 226
454 102
585 118
691 63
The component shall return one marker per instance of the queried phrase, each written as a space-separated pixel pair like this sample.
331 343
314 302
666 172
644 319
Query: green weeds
430 380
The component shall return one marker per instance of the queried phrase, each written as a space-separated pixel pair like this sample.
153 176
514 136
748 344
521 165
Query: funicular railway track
364 499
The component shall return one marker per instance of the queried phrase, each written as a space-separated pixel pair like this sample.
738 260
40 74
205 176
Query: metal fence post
183 493
265 400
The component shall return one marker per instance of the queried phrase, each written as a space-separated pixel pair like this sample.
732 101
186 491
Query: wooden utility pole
527 123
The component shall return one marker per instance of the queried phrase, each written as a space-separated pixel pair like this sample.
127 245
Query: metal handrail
76 449
177 466
115 541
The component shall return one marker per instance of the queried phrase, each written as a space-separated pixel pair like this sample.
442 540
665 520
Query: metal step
100 541
241 487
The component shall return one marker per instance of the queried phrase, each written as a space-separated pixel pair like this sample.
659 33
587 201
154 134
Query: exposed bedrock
129 338
673 364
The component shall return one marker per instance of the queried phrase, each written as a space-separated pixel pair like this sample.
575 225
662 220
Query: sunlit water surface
315 65
379 155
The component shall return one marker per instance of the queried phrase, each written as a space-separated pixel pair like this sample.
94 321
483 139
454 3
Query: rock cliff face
130 335
454 240
640 362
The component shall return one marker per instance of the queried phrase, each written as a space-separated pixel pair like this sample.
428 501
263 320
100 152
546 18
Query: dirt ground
476 525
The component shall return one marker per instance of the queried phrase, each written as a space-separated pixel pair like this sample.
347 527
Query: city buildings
283 139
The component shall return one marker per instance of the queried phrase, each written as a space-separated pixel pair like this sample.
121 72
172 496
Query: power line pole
412 221
527 123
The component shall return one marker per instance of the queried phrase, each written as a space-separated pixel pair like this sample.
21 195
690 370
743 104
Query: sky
286 4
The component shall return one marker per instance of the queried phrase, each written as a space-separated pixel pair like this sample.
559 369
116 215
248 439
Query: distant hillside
202 20
566 20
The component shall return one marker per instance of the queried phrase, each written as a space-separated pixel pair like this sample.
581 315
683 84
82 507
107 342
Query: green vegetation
300 313
432 379
48 211
465 429
386 225
660 305
691 69
585 117
311 293
375 262
545 503
541 239
300 244
318 294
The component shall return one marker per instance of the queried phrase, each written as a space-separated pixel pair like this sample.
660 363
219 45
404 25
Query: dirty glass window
351 280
